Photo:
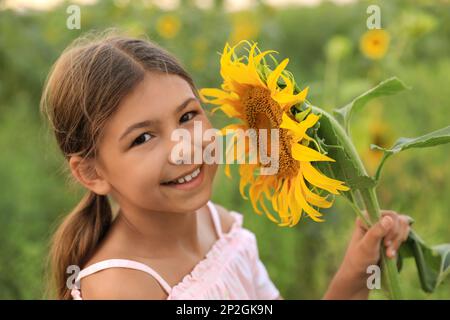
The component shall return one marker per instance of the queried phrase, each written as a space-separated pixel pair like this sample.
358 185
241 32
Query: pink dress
230 270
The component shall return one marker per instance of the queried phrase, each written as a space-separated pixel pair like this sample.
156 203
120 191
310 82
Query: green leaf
361 182
348 166
433 263
388 87
431 139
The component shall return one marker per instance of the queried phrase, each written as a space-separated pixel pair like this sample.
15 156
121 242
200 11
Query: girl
113 103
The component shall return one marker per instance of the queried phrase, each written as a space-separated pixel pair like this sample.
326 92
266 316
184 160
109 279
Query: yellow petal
313 213
303 153
255 191
289 85
284 201
229 110
299 129
287 99
275 74
213 92
246 172
227 170
296 211
239 73
260 56
251 66
279 184
311 197
316 178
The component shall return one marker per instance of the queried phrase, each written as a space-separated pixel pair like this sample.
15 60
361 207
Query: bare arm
121 284
350 281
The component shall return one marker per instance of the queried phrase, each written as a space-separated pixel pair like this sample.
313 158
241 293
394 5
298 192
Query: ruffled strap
215 258
238 218
215 218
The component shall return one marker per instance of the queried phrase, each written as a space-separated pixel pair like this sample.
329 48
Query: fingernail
393 252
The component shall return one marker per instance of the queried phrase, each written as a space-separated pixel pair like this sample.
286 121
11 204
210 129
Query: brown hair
84 88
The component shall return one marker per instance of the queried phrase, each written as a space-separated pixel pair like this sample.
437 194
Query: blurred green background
323 44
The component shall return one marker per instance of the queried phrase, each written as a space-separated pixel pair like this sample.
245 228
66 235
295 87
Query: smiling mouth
185 178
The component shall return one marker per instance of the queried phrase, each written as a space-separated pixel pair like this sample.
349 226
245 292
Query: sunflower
375 43
244 27
262 98
168 26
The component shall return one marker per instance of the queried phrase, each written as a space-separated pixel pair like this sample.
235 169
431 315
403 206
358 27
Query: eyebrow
148 123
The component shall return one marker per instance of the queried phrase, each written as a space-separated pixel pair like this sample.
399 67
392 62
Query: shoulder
121 284
226 219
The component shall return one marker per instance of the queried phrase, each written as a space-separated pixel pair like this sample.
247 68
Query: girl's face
134 153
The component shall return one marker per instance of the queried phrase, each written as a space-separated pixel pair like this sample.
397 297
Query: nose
186 146
180 149
178 155
179 161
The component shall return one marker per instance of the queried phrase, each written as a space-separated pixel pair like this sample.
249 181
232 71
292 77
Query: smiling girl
113 103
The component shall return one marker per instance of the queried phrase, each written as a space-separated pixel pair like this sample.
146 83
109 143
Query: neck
160 232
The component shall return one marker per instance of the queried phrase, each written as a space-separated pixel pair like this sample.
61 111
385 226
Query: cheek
211 171
207 131
136 171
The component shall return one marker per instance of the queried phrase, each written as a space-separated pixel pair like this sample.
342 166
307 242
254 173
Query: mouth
187 181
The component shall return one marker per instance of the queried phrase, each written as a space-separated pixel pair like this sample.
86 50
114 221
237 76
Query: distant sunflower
375 43
244 27
168 26
262 99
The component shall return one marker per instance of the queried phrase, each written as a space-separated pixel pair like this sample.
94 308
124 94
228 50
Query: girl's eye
188 116
141 139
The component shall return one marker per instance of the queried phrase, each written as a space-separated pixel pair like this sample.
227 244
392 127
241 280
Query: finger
391 235
405 222
396 243
402 233
391 252
410 220
374 235
366 216
360 230
393 232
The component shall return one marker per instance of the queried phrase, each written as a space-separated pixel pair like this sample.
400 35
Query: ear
85 171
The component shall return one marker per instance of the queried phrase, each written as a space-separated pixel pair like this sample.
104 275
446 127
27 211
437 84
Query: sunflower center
262 112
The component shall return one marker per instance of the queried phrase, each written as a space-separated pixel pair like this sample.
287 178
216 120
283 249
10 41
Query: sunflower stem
389 266
357 211
369 198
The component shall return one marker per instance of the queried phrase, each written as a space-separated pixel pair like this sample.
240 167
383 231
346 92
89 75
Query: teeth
189 177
